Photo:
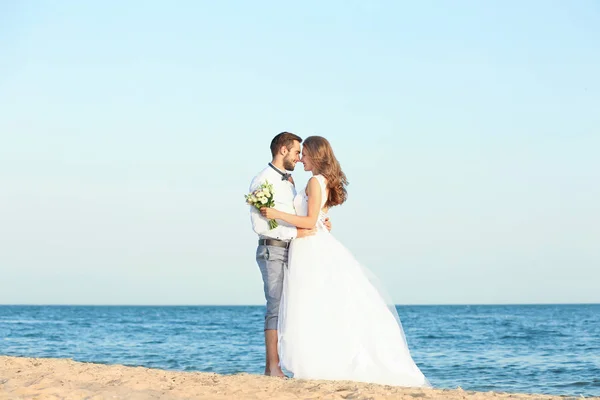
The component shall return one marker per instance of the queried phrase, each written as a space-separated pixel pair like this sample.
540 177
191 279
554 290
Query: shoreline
62 378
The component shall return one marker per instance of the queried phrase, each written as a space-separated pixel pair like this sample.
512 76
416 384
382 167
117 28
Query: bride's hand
269 213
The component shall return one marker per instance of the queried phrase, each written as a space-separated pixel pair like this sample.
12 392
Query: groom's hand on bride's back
302 232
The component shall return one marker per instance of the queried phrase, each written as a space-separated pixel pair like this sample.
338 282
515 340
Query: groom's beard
289 165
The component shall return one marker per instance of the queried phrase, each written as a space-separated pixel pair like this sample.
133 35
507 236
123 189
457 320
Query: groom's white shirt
284 201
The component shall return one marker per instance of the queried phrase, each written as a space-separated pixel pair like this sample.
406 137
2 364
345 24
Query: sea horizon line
262 305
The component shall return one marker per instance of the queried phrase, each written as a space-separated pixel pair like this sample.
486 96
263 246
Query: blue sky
469 132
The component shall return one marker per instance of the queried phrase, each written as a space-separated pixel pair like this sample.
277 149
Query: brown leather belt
273 242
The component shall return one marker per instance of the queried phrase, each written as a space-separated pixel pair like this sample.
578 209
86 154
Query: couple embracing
327 317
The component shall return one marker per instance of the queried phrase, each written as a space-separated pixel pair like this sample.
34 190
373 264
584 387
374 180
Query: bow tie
284 175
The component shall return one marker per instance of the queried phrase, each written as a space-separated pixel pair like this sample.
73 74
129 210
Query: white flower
264 200
266 192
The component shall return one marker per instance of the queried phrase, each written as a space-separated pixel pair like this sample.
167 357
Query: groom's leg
272 367
271 261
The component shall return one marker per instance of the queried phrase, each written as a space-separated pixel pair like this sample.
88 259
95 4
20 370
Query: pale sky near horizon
469 132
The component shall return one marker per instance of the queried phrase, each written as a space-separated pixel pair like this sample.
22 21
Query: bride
335 321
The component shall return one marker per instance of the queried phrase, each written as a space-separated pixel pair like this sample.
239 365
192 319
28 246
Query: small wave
32 335
31 321
447 337
155 341
578 384
504 337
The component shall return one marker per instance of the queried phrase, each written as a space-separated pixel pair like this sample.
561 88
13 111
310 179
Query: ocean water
550 349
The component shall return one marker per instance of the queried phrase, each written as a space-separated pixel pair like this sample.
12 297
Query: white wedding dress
335 322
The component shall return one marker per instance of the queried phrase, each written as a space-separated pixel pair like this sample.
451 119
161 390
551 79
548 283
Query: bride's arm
313 190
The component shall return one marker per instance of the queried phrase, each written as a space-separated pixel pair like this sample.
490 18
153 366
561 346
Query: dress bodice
301 203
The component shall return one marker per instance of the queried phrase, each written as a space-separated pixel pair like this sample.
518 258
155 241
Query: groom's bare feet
275 372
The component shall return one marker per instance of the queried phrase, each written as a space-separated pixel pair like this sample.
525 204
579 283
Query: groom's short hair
283 139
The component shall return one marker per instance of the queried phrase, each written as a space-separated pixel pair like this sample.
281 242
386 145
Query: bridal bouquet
263 197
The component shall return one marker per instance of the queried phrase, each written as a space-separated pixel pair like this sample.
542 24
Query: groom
273 244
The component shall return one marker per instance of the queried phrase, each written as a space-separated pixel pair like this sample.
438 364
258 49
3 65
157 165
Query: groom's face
292 157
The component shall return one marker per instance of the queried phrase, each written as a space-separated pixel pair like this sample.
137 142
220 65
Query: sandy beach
45 378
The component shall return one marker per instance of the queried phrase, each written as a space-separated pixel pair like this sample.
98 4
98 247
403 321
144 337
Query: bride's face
308 165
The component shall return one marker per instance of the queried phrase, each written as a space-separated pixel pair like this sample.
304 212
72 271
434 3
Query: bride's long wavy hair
325 163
